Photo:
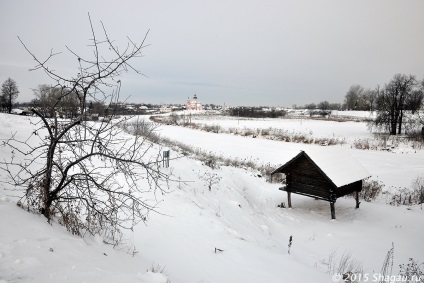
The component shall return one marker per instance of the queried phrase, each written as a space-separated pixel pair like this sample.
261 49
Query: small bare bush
265 132
412 271
364 144
418 190
387 268
410 196
248 132
210 161
174 119
210 179
371 189
158 269
344 265
212 128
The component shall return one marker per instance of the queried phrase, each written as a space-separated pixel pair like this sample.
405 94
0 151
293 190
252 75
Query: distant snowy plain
239 216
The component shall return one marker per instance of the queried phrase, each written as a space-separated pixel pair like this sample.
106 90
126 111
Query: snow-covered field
239 216
329 129
394 169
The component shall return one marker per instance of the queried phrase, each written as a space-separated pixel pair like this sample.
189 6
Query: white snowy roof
339 166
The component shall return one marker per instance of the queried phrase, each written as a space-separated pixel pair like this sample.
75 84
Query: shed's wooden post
333 211
357 199
289 198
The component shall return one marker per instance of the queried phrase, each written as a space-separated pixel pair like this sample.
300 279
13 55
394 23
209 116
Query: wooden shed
325 174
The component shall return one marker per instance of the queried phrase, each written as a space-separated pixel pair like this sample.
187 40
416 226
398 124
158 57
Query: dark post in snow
290 242
357 199
289 198
333 211
333 198
166 159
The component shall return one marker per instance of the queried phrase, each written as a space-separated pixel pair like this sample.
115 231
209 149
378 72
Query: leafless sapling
91 176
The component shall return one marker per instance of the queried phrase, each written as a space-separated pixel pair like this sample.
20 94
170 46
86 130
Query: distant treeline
256 112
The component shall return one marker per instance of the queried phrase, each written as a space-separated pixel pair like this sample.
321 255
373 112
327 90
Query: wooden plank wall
307 179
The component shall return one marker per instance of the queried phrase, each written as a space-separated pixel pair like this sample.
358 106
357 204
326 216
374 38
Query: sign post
165 159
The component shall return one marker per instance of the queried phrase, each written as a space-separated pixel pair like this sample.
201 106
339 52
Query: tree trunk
400 122
9 103
393 121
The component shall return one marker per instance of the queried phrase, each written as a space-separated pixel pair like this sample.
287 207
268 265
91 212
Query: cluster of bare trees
398 104
323 105
358 98
9 92
50 101
90 176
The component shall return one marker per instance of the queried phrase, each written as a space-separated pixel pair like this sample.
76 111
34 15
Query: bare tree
50 102
310 106
324 105
370 97
391 102
9 92
353 98
90 176
414 101
334 106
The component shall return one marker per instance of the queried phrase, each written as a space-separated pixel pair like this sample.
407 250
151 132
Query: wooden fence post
289 198
357 199
333 211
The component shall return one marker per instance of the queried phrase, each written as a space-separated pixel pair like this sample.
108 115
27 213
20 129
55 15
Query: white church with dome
193 104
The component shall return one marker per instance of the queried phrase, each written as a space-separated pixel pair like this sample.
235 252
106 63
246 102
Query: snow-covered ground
393 169
238 215
316 128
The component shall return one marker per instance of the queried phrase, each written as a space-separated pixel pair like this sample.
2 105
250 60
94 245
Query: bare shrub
387 268
174 119
158 269
248 132
265 132
233 131
210 179
416 135
207 128
210 161
410 196
371 189
140 128
365 144
418 190
211 128
216 129
345 265
412 271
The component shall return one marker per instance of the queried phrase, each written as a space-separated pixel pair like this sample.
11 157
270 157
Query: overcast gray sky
238 52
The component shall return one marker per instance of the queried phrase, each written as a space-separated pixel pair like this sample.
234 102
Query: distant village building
193 104
165 109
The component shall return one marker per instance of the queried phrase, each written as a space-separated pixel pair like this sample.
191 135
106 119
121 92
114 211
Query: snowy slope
238 215
31 250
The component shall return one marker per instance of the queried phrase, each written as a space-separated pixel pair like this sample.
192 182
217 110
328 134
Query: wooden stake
289 198
357 199
333 211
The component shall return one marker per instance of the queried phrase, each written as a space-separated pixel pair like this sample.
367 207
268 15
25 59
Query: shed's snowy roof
339 166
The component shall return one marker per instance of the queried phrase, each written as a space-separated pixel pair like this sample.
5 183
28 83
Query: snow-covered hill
215 225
